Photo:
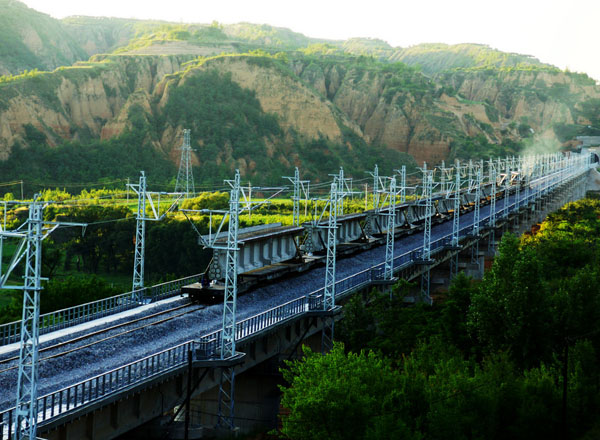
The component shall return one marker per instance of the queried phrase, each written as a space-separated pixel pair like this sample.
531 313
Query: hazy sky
560 32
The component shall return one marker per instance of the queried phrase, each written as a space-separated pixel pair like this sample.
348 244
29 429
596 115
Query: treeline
513 356
92 162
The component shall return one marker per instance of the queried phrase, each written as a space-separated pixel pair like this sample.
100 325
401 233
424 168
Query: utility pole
185 178
389 243
227 384
29 249
454 244
426 254
299 188
140 234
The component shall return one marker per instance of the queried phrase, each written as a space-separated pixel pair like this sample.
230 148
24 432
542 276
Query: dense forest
513 356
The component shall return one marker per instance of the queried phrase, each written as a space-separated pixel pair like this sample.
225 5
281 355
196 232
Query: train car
268 252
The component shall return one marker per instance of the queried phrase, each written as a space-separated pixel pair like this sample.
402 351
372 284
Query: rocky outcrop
331 100
34 40
88 98
298 107
541 98
396 120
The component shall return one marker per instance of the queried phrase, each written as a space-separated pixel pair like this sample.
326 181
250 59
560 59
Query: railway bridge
118 364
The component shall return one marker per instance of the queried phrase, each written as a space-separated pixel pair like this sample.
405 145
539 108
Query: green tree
455 310
60 293
511 310
341 396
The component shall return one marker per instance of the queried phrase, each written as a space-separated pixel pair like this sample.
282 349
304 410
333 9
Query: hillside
32 40
265 99
438 57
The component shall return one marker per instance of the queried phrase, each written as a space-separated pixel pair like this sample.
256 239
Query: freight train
273 251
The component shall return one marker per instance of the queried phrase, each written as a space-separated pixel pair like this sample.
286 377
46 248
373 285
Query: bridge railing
276 315
208 346
59 319
72 397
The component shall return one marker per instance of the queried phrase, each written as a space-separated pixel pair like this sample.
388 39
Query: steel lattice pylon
145 200
445 178
455 222
476 216
492 221
29 249
229 311
527 176
296 198
519 176
389 243
226 409
26 407
299 189
506 190
403 184
185 177
140 235
329 288
426 254
375 175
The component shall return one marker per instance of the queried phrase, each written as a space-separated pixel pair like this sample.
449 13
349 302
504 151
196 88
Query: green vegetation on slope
228 120
231 130
437 57
32 40
77 162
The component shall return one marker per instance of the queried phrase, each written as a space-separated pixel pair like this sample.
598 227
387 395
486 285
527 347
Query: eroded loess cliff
301 102
389 108
79 102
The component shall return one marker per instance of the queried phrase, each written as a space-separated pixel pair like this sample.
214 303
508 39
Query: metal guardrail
59 319
207 347
91 390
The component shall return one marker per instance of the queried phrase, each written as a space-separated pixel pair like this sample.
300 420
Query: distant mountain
32 40
438 57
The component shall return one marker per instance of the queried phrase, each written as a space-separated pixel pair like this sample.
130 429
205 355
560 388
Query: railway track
102 331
